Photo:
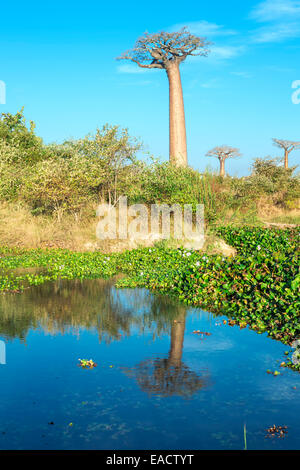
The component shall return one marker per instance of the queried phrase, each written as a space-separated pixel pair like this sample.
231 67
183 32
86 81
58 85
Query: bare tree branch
223 152
287 146
147 66
165 48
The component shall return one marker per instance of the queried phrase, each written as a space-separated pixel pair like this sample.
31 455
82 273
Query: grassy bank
48 200
20 228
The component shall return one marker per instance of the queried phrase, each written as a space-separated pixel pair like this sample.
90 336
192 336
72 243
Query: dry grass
262 213
269 213
19 228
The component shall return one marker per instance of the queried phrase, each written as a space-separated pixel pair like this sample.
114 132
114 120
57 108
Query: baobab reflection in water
169 375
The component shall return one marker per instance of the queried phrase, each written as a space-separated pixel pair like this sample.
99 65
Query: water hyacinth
259 288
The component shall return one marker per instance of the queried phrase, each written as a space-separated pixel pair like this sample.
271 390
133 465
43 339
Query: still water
157 384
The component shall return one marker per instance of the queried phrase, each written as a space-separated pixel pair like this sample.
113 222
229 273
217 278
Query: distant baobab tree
287 146
222 153
166 51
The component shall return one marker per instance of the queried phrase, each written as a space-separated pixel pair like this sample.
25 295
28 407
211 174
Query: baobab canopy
159 50
287 146
223 152
166 51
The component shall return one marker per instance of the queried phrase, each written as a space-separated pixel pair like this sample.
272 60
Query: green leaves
295 284
259 288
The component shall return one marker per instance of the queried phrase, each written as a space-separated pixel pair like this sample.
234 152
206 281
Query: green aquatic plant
257 288
87 363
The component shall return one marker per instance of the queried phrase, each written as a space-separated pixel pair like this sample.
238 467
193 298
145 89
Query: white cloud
272 10
212 83
203 28
276 33
275 68
281 18
226 52
218 54
242 74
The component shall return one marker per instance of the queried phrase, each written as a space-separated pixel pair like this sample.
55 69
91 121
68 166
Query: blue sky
58 60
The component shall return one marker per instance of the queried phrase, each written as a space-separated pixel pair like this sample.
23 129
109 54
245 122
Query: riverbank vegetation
48 197
49 193
258 287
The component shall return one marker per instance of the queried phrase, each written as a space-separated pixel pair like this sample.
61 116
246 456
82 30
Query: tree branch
146 66
159 50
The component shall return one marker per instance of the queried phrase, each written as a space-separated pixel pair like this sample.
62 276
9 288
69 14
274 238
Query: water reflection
65 305
169 375
97 304
134 398
59 307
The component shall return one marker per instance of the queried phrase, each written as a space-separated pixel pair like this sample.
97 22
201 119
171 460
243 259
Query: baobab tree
166 51
222 153
287 146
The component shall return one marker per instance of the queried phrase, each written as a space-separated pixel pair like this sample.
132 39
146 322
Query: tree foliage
288 145
223 152
75 176
14 132
159 50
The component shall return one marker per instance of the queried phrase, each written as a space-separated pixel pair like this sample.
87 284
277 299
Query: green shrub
27 148
271 180
60 185
114 149
166 184
103 166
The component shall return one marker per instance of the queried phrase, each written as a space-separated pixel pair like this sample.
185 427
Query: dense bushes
26 147
76 175
63 178
272 180
59 185
165 183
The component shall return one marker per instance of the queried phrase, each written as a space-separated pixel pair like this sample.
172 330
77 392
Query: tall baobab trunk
286 159
178 148
222 167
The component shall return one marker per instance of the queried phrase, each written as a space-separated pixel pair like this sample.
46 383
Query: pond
167 377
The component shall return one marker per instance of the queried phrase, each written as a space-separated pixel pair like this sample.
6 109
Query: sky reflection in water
157 385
